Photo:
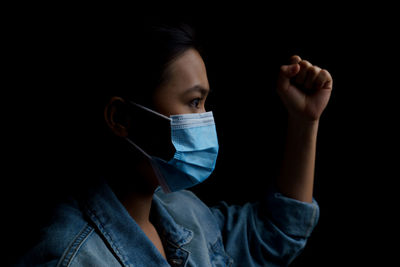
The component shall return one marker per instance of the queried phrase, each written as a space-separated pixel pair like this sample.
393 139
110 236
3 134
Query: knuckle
282 70
295 58
325 73
314 70
305 64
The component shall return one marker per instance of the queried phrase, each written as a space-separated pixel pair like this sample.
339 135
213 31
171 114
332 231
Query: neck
138 206
135 191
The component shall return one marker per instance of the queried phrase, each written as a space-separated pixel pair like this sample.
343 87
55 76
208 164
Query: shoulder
60 240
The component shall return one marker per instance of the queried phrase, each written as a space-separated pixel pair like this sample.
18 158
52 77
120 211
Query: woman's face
186 87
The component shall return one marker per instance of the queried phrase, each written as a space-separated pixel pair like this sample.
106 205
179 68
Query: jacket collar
124 236
173 232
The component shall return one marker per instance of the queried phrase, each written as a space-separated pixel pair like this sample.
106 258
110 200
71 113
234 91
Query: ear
116 117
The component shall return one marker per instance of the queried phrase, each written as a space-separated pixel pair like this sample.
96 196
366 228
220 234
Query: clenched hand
305 89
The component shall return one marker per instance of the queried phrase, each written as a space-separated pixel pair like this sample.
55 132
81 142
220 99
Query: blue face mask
194 138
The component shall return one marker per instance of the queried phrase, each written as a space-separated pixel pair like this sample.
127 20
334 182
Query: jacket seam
114 248
75 245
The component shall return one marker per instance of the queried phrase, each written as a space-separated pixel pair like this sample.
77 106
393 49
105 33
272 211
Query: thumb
287 72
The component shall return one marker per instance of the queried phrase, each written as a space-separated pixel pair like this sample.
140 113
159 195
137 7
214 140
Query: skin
185 91
296 178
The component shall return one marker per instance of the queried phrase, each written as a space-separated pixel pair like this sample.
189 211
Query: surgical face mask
192 139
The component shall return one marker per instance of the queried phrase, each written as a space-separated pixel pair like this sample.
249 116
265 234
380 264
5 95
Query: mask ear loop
138 147
150 110
160 176
157 171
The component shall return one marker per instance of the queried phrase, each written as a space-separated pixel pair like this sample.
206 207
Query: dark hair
140 59
130 65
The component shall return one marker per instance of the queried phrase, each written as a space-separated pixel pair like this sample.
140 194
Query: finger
312 74
295 59
287 72
323 80
301 76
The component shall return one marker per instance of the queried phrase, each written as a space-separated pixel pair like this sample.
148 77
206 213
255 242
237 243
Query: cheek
168 103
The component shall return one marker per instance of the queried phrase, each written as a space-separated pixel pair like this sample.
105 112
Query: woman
163 141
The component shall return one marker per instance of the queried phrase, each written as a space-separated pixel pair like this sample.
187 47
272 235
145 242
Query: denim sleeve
271 232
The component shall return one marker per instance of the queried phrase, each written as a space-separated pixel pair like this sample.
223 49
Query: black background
48 80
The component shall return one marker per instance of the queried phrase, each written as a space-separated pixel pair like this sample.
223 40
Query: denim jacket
98 231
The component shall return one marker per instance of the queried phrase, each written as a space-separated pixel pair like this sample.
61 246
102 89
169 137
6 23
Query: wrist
302 128
302 123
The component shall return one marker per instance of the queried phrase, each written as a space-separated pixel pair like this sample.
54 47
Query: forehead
188 70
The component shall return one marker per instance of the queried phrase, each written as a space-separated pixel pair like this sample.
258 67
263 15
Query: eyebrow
201 89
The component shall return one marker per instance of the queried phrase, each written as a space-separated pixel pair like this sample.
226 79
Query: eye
195 102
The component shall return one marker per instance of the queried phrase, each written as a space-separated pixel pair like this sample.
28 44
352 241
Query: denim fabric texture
98 231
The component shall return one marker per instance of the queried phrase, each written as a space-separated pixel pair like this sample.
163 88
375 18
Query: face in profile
184 90
186 86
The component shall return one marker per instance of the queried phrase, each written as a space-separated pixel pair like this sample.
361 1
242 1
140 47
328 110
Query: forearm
296 178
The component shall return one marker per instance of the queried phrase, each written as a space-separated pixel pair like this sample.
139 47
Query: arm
304 107
270 232
296 176
274 231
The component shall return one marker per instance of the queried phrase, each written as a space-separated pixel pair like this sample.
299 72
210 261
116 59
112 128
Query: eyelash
192 104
